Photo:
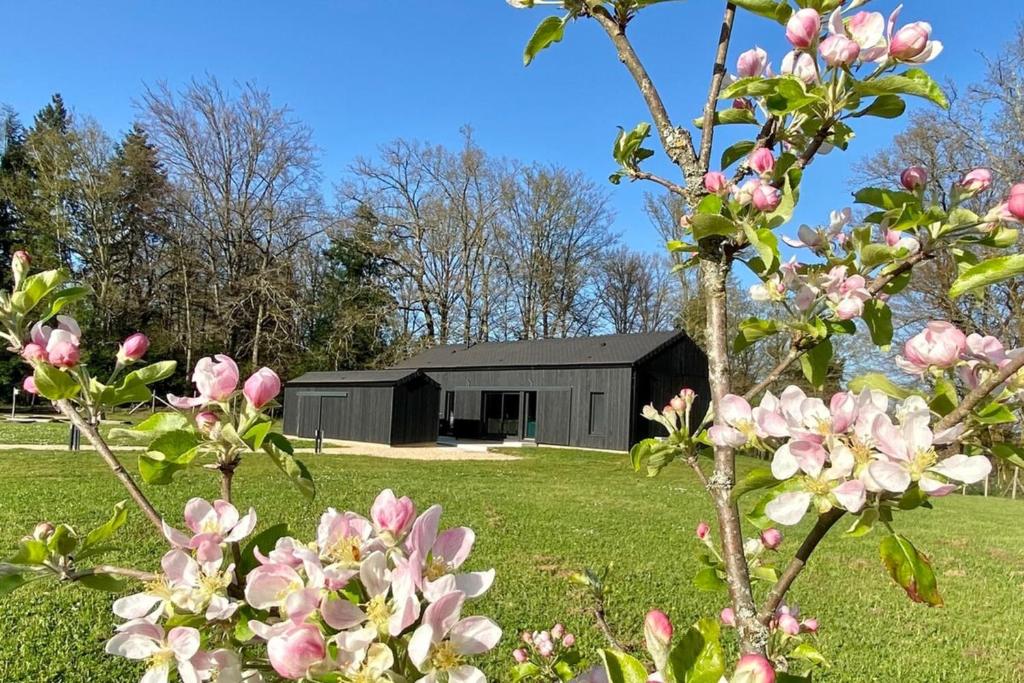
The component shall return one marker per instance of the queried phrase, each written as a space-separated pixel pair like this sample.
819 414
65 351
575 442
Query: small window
598 414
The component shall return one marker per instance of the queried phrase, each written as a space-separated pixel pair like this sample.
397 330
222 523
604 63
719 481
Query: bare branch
109 570
675 188
791 357
971 400
717 78
796 565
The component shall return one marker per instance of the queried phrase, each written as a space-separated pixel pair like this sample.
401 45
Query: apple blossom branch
717 78
108 456
109 570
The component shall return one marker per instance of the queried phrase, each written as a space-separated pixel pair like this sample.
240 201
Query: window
598 414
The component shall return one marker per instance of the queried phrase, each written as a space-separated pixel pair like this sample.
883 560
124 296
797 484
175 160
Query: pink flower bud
293 652
809 625
216 378
771 538
527 637
752 63
803 28
911 41
978 180
728 617
1017 189
715 182
21 257
940 345
133 348
742 103
688 396
703 529
914 178
391 514
261 387
205 421
33 353
557 631
20 262
753 669
800 64
761 161
568 640
677 404
789 625
658 634
63 354
520 655
42 531
839 50
545 648
1015 205
766 198
29 385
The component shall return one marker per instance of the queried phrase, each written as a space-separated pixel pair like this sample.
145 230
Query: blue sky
361 72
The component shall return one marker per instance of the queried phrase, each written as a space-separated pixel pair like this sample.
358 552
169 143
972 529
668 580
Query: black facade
584 392
376 406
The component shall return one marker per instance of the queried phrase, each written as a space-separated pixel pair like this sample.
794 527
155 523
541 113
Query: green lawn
537 520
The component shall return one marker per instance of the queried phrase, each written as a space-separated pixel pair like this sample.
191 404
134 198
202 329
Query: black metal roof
389 377
612 349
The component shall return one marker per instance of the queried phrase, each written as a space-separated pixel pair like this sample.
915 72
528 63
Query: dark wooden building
585 391
376 406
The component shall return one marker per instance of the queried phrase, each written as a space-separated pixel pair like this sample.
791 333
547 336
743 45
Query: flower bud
752 63
649 412
296 650
557 631
261 387
520 655
703 529
761 161
753 669
766 198
809 625
206 421
568 640
914 178
801 65
911 41
728 617
688 395
133 348
33 353
771 538
42 531
742 103
63 354
658 634
527 637
545 648
839 50
803 28
978 180
20 262
789 625
677 404
1015 205
715 182
29 385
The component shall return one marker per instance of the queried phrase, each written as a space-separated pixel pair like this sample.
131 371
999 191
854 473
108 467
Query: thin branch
107 569
791 357
672 187
677 141
694 463
971 400
796 565
602 625
227 474
717 78
108 456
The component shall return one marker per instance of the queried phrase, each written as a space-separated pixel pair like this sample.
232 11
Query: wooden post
1016 477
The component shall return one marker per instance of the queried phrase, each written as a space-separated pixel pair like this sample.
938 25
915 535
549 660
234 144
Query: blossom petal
373 573
341 614
788 508
474 584
132 646
734 409
784 465
466 674
419 645
968 470
851 495
198 511
138 606
184 640
721 435
443 613
474 635
890 476
424 531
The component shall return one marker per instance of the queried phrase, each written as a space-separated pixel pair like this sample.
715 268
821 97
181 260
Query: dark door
530 415
448 417
309 415
501 414
554 410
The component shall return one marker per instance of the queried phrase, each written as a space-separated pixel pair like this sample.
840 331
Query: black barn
583 391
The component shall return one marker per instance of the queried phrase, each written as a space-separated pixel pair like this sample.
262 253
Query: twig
791 357
672 187
602 624
796 565
717 78
227 474
136 574
676 141
120 472
968 403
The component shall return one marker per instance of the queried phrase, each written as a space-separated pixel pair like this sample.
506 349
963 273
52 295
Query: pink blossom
703 529
295 650
658 635
34 353
752 668
912 43
29 385
557 631
520 655
1015 204
867 29
728 617
761 161
802 65
809 625
133 348
789 625
741 424
715 182
262 387
978 180
215 523
443 554
442 628
766 198
62 352
206 421
914 178
546 648
803 28
42 334
141 640
392 515
752 63
771 538
568 640
938 345
838 50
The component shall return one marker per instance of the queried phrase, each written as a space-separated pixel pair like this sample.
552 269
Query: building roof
389 377
612 349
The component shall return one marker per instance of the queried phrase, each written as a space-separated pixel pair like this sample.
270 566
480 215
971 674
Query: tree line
209 226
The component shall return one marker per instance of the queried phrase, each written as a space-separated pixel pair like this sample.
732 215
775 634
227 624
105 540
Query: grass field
537 520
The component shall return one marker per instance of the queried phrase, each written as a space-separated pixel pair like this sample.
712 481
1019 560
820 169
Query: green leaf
10 582
864 523
698 656
707 579
808 653
772 9
265 541
875 254
878 318
154 372
885 199
54 383
65 297
755 479
728 117
1010 453
914 82
103 582
876 380
30 551
550 31
735 152
622 668
816 362
168 453
151 427
280 451
885 107
766 574
255 435
35 288
789 95
63 540
987 273
753 330
765 243
995 414
911 570
108 528
707 225
524 670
